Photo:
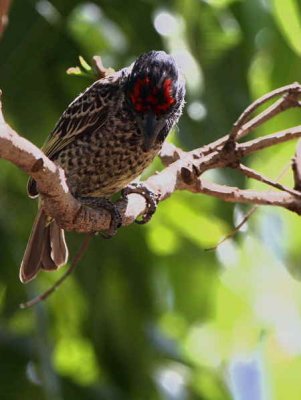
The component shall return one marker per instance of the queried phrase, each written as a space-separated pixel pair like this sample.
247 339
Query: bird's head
155 92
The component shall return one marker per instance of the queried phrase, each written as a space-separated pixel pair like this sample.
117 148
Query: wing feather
86 112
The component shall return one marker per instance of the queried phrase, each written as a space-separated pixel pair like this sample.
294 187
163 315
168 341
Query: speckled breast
103 162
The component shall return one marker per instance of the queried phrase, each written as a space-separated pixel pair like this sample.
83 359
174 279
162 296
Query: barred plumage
104 140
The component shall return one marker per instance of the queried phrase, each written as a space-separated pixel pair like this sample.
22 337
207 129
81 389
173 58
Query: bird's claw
116 220
101 202
150 197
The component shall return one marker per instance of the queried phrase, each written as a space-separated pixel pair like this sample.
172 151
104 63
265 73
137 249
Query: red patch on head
146 97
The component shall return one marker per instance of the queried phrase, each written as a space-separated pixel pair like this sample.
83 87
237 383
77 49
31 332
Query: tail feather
56 251
58 245
46 261
46 248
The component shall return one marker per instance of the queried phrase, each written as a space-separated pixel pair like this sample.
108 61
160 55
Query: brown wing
86 113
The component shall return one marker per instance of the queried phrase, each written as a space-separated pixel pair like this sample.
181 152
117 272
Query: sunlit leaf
84 64
203 346
287 16
74 357
162 240
202 229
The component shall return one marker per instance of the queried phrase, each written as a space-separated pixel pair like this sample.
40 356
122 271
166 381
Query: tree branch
182 172
296 167
236 195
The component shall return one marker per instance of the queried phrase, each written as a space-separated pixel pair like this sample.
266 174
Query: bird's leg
102 202
151 199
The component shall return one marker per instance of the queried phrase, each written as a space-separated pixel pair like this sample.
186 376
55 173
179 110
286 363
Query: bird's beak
150 127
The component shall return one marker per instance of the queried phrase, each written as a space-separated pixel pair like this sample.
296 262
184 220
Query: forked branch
183 171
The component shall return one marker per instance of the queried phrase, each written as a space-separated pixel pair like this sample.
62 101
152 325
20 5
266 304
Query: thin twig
57 284
234 195
273 139
101 71
290 99
243 127
221 159
251 173
296 166
247 216
235 229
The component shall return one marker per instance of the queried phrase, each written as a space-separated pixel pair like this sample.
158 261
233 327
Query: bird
103 141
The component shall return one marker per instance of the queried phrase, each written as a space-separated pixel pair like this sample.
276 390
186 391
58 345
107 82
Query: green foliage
151 314
289 20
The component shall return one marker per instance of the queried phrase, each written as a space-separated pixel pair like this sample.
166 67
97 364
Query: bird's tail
46 248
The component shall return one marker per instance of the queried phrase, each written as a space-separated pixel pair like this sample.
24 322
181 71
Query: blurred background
151 314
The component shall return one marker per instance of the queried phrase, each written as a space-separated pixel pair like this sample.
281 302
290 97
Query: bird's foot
151 199
101 202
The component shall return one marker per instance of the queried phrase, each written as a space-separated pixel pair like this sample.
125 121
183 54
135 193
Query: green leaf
74 71
74 357
84 64
288 18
